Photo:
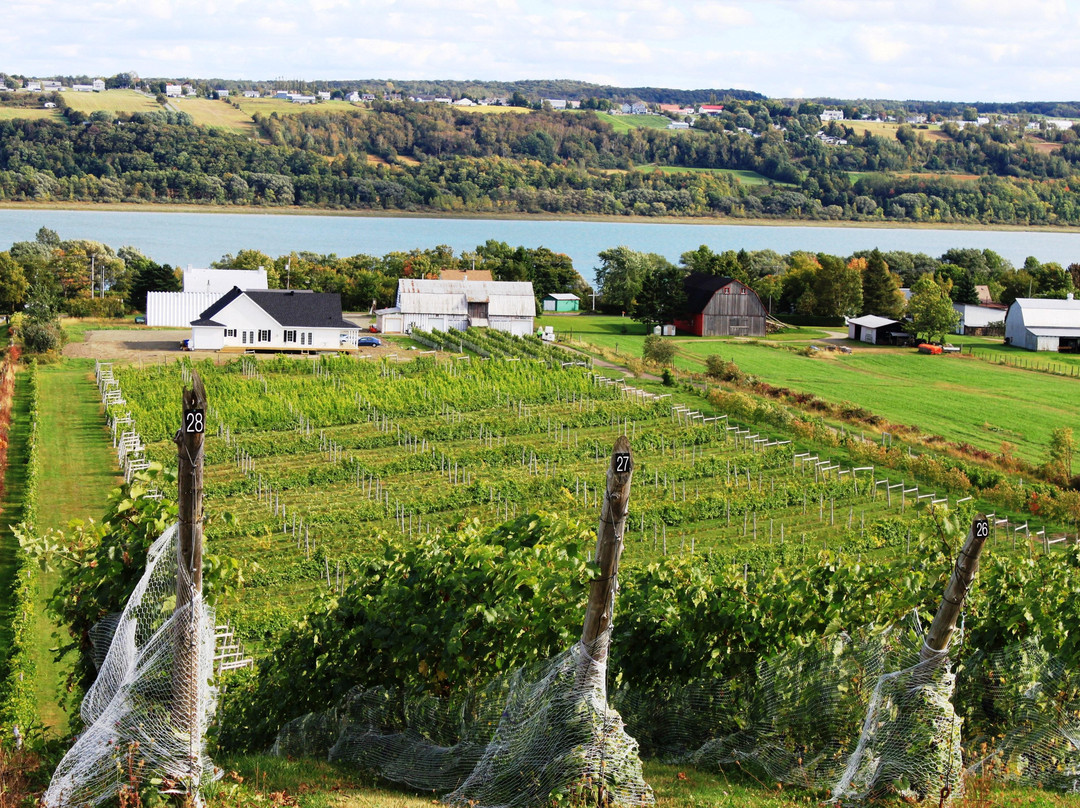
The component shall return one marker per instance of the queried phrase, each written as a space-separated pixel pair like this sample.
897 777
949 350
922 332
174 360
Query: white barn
441 304
274 320
875 330
979 320
1044 325
202 288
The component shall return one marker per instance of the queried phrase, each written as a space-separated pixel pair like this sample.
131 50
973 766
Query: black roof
700 289
294 308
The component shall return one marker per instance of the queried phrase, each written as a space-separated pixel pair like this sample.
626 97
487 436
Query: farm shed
980 321
1044 325
202 288
876 330
273 320
438 305
561 301
721 307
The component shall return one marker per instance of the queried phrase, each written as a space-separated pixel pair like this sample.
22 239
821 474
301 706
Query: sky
937 50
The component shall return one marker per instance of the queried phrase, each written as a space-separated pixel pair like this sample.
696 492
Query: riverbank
706 221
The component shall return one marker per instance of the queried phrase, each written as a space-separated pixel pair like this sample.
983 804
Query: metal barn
438 305
1044 325
721 307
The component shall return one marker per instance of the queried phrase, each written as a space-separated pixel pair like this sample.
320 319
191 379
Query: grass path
77 473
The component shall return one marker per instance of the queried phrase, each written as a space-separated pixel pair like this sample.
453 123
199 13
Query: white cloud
723 14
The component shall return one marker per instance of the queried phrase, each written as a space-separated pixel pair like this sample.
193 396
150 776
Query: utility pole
189 550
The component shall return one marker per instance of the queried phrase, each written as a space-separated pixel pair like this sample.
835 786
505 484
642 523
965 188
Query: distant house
34 86
441 304
99 85
915 119
173 90
711 109
251 94
721 307
323 95
982 321
876 330
443 99
221 93
298 98
1044 325
561 302
83 88
832 115
556 103
464 102
678 125
51 86
274 320
353 97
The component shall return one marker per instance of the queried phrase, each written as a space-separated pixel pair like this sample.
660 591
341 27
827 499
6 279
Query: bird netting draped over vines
148 710
543 729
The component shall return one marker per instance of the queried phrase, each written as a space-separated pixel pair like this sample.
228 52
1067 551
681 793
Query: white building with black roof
274 320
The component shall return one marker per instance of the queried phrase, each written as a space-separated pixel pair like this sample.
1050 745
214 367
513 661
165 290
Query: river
196 239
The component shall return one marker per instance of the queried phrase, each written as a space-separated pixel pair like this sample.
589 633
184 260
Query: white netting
544 729
140 708
1027 726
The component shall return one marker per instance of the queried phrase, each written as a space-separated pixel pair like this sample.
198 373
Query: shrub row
18 706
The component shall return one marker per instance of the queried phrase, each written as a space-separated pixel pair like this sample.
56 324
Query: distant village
681 116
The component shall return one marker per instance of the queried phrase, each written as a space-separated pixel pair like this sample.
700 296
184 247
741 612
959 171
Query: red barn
721 307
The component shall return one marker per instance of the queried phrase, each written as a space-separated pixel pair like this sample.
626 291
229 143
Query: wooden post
609 547
189 548
952 602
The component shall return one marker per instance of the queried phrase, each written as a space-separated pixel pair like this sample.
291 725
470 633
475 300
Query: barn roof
872 321
1040 313
561 296
504 298
293 308
700 289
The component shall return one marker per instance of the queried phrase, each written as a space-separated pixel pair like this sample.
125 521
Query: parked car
369 342
140 319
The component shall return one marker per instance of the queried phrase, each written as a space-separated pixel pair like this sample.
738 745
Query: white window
264 336
290 336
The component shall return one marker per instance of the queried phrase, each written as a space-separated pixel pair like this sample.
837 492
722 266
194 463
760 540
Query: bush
39 337
97 307
657 349
669 378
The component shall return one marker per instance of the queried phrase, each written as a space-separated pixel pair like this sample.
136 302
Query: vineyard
428 525
316 459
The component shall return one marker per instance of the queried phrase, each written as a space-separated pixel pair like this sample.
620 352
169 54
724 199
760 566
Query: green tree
619 277
1061 450
881 293
662 297
13 284
149 276
837 288
964 290
931 310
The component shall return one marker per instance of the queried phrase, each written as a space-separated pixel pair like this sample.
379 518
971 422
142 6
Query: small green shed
561 302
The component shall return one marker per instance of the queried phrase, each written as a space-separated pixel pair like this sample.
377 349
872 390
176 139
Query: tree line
432 157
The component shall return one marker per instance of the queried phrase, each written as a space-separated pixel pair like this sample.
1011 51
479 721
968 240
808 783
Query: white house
1044 325
832 115
441 304
251 93
274 320
556 103
980 320
174 90
202 288
99 85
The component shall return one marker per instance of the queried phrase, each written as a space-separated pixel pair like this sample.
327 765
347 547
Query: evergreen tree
964 291
881 288
149 276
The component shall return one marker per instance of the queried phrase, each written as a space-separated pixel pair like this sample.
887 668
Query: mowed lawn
28 113
958 397
624 123
112 101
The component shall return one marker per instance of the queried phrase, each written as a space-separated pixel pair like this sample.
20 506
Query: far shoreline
702 221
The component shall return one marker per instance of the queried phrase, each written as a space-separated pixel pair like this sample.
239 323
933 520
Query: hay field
111 101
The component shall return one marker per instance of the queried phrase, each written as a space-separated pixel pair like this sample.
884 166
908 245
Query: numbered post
609 547
952 602
189 551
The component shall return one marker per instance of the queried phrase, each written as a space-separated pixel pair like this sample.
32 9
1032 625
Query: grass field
208 112
112 101
743 176
70 427
28 113
624 123
957 397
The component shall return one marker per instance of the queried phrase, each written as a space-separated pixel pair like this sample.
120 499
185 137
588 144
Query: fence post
952 602
609 546
189 551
